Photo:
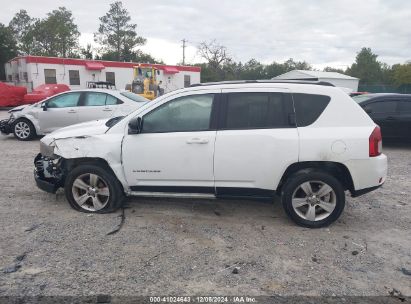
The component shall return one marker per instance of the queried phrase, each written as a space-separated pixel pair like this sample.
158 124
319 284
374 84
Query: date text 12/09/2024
203 299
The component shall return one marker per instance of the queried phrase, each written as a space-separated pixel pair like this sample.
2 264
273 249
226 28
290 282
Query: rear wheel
93 189
313 199
24 130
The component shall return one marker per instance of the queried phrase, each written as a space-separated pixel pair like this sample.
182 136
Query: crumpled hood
84 129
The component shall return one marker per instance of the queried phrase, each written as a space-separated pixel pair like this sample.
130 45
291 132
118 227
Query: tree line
219 66
57 35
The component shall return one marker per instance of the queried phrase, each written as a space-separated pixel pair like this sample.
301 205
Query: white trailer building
337 79
32 71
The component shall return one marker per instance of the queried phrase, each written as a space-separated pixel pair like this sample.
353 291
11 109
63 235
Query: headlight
46 150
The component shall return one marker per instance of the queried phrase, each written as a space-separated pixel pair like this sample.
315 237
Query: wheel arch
72 163
338 170
32 120
23 118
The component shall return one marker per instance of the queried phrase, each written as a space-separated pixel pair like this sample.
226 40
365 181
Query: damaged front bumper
48 173
6 126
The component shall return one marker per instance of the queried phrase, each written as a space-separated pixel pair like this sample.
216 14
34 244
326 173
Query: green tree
61 24
402 74
56 35
290 65
253 70
21 26
366 67
217 60
8 47
116 34
274 69
331 69
87 52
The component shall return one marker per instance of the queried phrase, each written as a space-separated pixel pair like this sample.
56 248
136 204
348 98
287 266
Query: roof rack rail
322 83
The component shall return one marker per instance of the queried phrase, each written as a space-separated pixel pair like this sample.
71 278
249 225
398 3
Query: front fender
105 146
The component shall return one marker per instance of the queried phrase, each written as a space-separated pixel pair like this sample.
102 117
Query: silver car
69 108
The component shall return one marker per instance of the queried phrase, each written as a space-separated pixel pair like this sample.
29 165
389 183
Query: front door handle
107 110
390 118
72 111
197 140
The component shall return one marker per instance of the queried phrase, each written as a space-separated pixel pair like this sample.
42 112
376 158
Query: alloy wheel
22 129
91 192
314 200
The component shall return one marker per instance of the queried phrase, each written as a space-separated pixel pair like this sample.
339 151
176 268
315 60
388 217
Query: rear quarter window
308 107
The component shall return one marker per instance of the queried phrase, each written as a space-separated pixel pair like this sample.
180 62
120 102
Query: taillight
375 142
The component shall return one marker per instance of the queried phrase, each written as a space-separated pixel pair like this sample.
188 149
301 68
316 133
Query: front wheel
93 189
313 199
24 130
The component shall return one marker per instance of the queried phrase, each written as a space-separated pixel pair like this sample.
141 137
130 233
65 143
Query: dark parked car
392 112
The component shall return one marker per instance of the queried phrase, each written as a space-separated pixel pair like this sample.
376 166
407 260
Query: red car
43 91
11 95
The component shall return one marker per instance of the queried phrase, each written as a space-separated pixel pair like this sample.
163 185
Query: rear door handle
197 140
390 118
107 110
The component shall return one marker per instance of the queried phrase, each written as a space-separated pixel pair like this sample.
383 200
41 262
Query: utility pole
184 51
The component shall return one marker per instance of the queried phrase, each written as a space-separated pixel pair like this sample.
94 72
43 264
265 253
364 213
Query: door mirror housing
135 125
44 106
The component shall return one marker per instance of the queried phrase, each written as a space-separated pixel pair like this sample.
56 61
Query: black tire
28 125
294 182
116 194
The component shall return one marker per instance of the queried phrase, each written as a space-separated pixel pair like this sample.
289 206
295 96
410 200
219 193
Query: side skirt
201 192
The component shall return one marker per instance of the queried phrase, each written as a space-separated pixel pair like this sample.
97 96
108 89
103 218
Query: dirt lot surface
186 247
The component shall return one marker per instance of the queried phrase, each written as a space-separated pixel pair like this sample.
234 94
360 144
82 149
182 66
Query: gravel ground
186 247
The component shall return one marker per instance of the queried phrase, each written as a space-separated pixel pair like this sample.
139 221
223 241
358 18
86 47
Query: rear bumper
367 174
356 193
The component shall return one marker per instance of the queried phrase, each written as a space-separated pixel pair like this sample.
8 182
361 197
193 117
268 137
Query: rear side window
405 106
95 99
387 106
308 107
255 111
111 100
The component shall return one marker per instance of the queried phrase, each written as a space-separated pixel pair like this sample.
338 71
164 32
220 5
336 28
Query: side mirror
368 110
134 125
44 106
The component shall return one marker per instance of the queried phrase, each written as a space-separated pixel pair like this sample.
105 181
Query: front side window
183 114
95 99
255 111
50 76
74 77
64 100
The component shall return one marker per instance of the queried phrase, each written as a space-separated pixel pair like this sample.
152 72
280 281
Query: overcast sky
321 32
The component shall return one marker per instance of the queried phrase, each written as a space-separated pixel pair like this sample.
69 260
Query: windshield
361 98
134 97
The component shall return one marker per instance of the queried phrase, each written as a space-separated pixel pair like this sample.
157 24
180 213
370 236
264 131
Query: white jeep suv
306 141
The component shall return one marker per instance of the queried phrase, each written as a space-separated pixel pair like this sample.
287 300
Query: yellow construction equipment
144 81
